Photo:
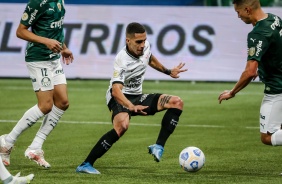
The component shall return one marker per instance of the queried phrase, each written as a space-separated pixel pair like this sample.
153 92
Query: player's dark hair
133 28
254 3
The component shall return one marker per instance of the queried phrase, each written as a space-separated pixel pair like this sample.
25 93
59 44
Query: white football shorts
46 74
271 113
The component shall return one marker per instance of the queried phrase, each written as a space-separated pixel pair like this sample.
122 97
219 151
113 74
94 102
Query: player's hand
176 70
225 95
67 56
54 45
254 78
139 109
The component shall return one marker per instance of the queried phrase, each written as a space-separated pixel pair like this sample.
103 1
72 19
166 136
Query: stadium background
205 34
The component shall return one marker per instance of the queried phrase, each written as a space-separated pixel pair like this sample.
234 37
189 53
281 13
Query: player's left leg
174 106
60 104
270 120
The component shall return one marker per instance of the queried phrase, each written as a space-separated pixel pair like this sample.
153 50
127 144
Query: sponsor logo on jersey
259 48
46 81
32 16
43 2
57 24
59 6
59 71
134 83
25 16
252 51
276 23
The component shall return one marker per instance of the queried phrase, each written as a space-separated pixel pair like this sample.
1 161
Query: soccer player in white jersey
125 97
7 178
42 26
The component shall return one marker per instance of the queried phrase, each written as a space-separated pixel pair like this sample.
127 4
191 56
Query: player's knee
121 128
266 139
177 102
45 107
64 105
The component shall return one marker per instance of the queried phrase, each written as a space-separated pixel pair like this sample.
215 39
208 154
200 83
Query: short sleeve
257 46
32 12
119 71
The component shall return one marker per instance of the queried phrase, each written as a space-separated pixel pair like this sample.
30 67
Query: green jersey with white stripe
45 17
265 46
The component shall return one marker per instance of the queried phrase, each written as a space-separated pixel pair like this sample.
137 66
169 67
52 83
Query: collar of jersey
131 55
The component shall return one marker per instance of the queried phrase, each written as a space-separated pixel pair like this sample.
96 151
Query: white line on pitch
133 124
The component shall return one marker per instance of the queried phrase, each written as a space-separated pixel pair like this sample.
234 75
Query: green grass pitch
228 134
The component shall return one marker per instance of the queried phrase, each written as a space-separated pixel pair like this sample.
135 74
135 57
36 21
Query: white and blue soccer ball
191 159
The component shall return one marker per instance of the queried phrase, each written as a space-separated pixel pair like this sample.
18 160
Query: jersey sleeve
257 46
119 71
32 12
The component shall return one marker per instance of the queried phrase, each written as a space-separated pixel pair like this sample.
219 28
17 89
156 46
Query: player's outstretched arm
177 69
249 74
174 72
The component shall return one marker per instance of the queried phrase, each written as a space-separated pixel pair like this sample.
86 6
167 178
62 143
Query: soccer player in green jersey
265 60
44 50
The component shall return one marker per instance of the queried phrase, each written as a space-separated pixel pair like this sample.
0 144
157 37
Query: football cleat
157 151
37 156
21 180
5 150
87 168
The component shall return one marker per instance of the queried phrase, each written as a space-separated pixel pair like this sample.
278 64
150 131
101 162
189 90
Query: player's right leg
120 116
270 120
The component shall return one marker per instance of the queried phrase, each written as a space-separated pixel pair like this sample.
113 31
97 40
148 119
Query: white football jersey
129 71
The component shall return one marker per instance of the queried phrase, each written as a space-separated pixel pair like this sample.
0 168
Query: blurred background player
7 178
45 47
265 60
125 98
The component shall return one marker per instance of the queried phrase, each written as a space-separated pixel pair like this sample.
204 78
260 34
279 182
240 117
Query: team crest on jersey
24 16
59 6
252 51
46 82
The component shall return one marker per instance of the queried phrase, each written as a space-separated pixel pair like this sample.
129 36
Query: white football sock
29 118
4 173
48 124
276 138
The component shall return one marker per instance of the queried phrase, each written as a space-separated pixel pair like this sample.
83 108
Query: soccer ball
191 159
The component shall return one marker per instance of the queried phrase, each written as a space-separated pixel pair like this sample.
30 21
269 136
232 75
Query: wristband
167 71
